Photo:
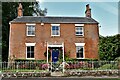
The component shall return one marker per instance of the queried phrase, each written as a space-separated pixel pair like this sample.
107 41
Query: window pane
31 30
28 48
32 48
79 51
77 55
32 55
53 27
79 31
28 55
30 51
32 33
55 30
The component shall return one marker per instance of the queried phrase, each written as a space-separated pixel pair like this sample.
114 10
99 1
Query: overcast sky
106 13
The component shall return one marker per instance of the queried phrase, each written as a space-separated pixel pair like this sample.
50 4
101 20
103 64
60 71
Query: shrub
45 66
108 66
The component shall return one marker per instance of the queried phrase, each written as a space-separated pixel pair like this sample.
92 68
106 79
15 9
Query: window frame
57 25
33 25
30 44
79 26
80 45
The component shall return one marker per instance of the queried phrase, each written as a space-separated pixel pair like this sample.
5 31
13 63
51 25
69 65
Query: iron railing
28 66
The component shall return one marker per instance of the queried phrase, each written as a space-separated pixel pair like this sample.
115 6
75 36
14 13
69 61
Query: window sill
80 58
30 58
55 35
30 35
78 36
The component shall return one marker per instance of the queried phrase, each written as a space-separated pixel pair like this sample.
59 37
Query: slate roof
50 19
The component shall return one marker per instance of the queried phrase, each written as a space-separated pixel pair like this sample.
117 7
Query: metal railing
92 65
68 65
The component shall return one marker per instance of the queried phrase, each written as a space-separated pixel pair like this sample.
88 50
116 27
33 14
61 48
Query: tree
109 47
9 12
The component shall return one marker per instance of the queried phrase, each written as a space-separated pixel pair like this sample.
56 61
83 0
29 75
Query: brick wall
18 39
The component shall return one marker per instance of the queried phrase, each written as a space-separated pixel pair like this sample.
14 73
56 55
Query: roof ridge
56 16
54 19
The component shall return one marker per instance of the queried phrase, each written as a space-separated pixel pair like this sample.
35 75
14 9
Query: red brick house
31 37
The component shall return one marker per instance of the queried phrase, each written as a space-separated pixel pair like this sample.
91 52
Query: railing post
118 68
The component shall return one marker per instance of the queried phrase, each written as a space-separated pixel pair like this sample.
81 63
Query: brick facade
18 39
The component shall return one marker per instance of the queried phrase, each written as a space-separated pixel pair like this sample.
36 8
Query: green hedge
26 60
69 59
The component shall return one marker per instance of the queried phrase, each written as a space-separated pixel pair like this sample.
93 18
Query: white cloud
109 8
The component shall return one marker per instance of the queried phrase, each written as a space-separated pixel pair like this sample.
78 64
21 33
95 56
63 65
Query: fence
25 66
69 65
92 65
69 68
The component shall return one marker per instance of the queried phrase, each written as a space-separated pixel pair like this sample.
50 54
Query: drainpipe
63 58
47 52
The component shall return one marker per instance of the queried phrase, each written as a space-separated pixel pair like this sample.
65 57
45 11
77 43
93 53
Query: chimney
20 13
88 11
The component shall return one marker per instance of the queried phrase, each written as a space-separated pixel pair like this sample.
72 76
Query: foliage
67 54
60 55
9 12
49 54
109 66
109 47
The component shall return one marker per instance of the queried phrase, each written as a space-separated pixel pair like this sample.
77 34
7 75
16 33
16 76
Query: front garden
71 68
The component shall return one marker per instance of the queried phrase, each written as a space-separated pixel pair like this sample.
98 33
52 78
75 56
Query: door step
57 74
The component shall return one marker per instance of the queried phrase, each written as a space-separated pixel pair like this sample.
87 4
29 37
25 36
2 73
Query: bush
108 66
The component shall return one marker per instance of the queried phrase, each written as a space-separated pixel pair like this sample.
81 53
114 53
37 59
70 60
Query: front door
55 55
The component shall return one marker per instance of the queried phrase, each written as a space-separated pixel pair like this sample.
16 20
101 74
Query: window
30 51
79 51
30 30
79 29
55 30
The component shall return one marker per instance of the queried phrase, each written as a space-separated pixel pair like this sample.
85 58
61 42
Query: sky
106 13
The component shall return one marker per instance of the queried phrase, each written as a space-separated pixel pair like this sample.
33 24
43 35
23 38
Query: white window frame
29 24
79 25
80 44
30 44
58 27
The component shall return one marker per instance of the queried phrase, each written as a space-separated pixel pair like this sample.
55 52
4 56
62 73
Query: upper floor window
55 30
30 29
79 29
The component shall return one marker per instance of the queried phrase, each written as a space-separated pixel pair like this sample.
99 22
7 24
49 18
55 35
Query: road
60 78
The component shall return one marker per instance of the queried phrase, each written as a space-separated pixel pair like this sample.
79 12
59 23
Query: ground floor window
79 51
30 51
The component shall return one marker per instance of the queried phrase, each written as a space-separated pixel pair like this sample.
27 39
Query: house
34 37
